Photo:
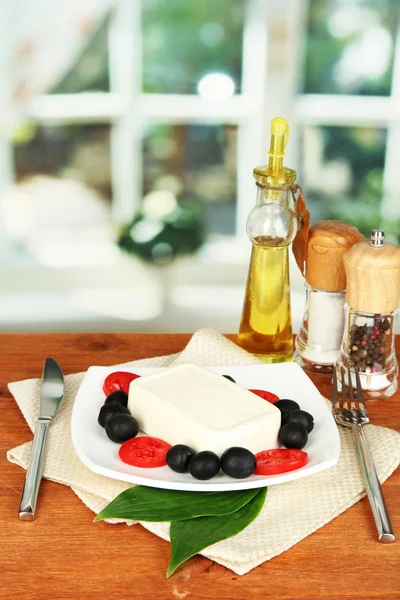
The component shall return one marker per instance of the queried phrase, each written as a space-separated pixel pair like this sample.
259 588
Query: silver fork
355 417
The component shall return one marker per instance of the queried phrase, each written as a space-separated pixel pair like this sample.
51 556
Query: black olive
285 405
285 417
119 397
302 417
178 457
204 465
293 435
238 462
122 427
108 411
229 377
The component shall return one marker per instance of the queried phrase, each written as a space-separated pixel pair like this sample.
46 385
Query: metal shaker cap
377 238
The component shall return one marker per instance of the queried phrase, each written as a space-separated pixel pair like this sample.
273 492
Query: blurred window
77 152
343 169
350 47
184 41
197 163
174 96
156 102
350 145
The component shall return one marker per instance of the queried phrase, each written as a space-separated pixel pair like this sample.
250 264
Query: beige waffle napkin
292 510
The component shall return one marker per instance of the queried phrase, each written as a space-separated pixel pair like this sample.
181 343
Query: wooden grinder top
327 242
373 275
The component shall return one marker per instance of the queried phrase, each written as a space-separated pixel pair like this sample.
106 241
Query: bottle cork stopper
327 242
373 275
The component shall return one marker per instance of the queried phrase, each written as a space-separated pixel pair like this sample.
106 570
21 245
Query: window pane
343 174
89 72
76 152
58 212
183 41
349 47
196 163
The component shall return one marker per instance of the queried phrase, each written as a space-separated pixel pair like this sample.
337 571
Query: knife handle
34 473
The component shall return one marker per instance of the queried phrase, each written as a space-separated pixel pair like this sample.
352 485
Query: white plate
286 380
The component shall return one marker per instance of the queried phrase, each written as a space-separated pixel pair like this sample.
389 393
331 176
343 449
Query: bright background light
216 86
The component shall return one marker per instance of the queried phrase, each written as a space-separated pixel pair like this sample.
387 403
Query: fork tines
345 409
360 395
351 400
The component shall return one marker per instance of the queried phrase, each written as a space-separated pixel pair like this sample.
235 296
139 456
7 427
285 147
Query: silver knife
51 394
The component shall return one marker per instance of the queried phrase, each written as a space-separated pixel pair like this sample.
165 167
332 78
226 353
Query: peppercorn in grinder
320 336
372 301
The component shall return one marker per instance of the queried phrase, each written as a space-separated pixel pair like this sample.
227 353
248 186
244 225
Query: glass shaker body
319 339
369 346
266 324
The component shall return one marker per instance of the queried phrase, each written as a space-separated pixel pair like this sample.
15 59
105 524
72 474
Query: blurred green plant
161 240
363 149
336 27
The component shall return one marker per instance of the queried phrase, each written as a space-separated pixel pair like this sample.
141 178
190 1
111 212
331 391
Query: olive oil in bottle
266 324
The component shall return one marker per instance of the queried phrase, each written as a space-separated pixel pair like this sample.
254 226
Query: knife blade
51 395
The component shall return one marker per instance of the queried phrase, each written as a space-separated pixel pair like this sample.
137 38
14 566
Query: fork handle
373 488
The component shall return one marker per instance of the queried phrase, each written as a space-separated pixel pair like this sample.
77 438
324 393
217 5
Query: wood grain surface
373 277
64 555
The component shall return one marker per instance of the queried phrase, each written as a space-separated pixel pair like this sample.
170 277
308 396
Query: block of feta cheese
190 405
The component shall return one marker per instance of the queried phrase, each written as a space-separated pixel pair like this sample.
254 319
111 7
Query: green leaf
142 503
191 536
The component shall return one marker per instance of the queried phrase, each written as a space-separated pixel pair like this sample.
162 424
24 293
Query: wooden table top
64 555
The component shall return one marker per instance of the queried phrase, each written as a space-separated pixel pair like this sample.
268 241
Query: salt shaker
372 301
318 342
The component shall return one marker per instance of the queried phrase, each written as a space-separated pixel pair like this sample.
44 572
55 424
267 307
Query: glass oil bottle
266 323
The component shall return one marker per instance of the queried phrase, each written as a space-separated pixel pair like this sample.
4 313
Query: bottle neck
282 197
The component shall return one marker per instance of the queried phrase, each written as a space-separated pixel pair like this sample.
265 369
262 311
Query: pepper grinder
372 301
318 342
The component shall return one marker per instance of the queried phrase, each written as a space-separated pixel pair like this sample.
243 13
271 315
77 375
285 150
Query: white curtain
40 40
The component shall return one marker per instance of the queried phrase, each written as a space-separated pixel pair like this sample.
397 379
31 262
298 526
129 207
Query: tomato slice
280 460
144 451
119 380
269 396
